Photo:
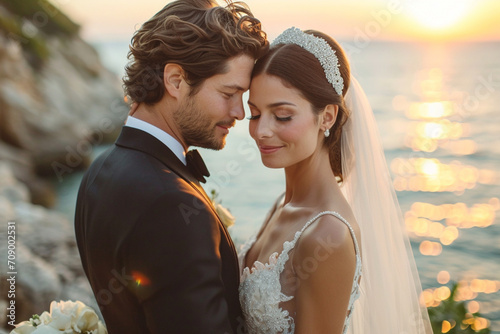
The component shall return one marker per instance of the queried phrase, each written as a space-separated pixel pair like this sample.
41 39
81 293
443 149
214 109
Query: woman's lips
265 149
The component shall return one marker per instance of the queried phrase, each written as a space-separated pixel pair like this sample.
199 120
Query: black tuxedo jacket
155 252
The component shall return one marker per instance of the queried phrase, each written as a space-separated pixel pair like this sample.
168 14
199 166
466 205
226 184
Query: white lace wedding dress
266 290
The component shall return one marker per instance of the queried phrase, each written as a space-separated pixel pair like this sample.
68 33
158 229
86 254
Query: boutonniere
225 215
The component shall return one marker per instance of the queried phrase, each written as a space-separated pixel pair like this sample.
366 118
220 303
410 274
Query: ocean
437 109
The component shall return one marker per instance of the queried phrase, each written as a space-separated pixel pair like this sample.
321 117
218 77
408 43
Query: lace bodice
261 287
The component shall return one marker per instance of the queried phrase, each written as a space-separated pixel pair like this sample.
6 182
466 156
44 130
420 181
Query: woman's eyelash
280 119
284 119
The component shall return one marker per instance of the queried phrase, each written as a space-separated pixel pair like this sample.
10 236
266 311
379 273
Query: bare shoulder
328 234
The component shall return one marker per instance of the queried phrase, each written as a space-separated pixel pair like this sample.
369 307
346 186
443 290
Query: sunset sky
440 20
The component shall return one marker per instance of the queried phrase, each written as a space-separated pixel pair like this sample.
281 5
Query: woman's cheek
291 132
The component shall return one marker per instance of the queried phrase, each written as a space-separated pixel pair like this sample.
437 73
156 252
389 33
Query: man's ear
329 116
173 76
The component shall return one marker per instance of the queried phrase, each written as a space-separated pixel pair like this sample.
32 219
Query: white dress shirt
159 134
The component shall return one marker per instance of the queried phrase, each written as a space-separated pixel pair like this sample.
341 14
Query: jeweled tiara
320 49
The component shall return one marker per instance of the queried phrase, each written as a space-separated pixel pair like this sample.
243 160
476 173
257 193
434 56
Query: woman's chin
272 164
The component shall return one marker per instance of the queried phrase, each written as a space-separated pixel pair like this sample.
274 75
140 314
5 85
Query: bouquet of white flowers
64 317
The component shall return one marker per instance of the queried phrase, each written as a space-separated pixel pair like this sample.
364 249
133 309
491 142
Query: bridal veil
390 286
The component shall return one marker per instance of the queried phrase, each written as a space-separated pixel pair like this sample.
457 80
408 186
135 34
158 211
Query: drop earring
327 133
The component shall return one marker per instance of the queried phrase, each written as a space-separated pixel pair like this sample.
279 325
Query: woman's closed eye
279 119
283 119
253 117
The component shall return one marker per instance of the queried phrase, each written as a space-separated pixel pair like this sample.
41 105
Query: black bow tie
196 165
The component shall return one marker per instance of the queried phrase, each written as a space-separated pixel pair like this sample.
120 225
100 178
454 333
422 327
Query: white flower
87 320
82 318
226 217
101 329
45 318
25 327
63 314
47 330
64 317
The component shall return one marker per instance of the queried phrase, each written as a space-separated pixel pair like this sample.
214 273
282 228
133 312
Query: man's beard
196 127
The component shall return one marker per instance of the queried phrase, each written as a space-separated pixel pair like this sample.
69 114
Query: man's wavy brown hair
198 35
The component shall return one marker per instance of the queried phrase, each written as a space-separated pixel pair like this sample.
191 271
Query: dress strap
289 245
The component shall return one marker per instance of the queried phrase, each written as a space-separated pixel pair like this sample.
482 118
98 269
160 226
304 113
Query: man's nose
237 111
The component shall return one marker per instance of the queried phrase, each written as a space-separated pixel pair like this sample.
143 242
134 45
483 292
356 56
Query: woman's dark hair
300 69
198 35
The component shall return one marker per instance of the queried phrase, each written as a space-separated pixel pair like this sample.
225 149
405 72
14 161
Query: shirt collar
159 134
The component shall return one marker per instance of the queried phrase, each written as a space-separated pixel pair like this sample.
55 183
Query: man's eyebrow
235 87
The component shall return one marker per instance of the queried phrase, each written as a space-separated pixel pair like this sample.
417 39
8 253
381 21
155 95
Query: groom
155 252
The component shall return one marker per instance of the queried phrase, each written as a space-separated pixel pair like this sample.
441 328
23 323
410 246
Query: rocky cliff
57 100
44 261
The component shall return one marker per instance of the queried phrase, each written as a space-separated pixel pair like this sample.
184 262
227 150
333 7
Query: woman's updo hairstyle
300 69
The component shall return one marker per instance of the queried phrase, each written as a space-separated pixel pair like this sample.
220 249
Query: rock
10 188
21 163
37 283
52 115
47 261
57 102
41 230
6 212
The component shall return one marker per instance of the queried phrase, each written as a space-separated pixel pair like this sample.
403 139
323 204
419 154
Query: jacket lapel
142 141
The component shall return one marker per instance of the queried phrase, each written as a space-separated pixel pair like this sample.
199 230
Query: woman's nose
263 128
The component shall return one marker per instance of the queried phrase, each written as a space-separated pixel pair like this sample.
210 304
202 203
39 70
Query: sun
439 14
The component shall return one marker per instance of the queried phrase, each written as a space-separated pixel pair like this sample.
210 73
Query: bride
332 256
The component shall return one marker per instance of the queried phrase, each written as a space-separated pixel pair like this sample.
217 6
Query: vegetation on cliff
57 100
29 21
